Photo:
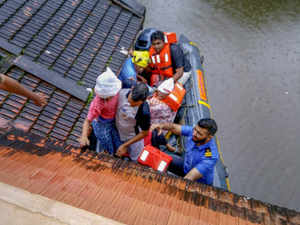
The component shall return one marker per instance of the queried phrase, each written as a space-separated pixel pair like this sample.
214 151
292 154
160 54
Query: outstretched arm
202 169
174 128
123 148
84 140
194 174
178 74
11 85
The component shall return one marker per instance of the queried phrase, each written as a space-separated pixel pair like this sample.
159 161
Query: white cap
166 86
107 84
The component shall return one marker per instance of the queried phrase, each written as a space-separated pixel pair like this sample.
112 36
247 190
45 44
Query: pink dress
106 109
102 114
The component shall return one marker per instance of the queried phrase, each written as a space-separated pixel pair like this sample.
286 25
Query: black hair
139 92
157 35
208 124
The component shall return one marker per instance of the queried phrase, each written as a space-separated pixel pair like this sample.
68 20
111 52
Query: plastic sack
167 86
128 75
107 84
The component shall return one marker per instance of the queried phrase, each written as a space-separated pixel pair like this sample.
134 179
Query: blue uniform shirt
128 74
202 157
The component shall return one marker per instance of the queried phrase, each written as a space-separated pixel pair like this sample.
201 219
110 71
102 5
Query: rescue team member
201 153
132 67
13 86
167 60
102 112
133 114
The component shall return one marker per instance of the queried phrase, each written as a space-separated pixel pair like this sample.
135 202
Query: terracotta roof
70 42
123 191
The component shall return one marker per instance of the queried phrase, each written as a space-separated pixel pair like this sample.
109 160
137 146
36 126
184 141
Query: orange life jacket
174 99
154 158
162 63
170 37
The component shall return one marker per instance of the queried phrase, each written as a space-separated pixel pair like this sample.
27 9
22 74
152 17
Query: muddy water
252 64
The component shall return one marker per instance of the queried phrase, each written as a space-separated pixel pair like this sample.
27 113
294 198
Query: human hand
84 141
122 150
40 99
132 79
142 79
130 52
170 148
158 127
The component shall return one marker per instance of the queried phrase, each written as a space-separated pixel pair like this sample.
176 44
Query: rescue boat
195 105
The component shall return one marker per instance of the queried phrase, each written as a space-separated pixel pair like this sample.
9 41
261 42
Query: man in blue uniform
201 153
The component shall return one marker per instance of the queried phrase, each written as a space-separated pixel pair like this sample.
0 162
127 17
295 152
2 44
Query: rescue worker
167 60
201 153
133 67
133 120
102 112
13 86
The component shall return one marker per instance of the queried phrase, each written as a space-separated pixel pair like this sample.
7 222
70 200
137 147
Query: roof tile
114 185
77 39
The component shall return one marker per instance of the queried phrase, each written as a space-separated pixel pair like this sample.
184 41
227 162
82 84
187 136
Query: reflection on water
257 12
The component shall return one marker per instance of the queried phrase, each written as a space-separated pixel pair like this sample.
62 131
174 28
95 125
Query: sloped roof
61 119
59 48
74 38
123 191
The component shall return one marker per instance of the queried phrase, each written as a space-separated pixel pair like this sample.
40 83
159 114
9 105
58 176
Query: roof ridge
51 77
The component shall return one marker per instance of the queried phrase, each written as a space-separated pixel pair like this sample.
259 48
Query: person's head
204 131
138 94
158 41
140 60
107 84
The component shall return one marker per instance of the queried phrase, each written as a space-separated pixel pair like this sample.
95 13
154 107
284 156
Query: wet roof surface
123 191
61 119
61 48
74 38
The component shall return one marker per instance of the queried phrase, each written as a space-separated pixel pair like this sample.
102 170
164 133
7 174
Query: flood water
252 68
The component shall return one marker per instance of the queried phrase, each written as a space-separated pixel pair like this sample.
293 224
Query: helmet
140 58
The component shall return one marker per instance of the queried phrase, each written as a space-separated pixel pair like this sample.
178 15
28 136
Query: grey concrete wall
20 207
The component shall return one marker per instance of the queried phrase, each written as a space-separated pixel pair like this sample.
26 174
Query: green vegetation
90 97
80 83
6 60
108 61
257 12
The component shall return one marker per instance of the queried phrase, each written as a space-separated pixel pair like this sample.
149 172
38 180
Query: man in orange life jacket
167 59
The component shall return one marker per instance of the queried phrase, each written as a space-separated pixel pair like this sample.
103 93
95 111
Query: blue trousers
107 134
176 165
